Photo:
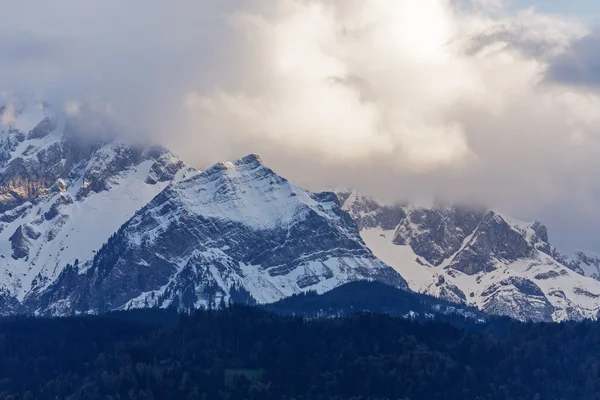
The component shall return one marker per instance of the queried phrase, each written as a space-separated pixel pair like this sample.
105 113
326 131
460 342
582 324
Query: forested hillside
247 353
379 298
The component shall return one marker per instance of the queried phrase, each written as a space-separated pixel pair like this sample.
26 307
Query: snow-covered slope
477 256
63 194
237 231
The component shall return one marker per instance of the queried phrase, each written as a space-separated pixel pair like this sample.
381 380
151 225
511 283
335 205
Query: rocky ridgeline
480 257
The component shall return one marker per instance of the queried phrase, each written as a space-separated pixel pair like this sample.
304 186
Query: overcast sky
582 8
484 101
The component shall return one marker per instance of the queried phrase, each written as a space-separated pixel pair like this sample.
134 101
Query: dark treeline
247 353
374 297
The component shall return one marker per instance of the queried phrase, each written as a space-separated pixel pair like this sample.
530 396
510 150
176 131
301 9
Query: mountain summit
236 231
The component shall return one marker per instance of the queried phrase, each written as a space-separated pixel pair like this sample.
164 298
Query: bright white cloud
340 81
353 80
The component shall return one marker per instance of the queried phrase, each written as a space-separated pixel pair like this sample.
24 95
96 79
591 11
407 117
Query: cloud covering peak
403 99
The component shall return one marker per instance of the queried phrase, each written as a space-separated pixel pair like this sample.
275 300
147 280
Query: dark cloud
24 48
517 38
579 65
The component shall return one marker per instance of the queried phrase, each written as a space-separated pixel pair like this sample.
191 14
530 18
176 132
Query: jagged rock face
9 305
62 193
518 297
44 128
447 291
588 265
165 168
495 240
19 244
437 233
29 163
434 234
479 257
237 229
369 214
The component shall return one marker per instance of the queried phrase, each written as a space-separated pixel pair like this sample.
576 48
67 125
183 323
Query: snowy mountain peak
236 231
249 162
251 167
62 193
248 192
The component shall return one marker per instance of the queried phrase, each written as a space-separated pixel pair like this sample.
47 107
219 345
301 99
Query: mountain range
479 257
94 223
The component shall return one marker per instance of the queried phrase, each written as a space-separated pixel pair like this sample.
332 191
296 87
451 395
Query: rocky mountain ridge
478 257
63 194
